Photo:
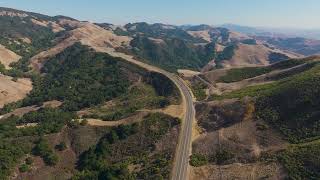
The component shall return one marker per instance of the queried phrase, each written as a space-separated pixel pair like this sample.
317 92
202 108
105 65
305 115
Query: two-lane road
180 169
181 163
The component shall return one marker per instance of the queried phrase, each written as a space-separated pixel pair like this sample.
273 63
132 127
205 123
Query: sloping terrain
234 49
7 57
12 91
256 118
131 151
298 45
252 55
267 126
88 34
81 79
234 141
172 54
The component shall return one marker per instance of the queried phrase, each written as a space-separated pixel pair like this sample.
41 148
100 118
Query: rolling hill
74 106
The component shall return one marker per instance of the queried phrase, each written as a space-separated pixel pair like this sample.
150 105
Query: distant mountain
234 49
278 32
305 42
298 45
171 47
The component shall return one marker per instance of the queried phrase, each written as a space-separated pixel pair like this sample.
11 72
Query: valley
82 100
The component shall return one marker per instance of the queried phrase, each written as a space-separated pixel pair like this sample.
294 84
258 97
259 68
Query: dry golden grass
7 57
11 91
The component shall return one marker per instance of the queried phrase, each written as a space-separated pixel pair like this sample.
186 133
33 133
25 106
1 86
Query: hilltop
79 100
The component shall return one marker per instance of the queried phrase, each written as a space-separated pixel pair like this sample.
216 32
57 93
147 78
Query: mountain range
82 100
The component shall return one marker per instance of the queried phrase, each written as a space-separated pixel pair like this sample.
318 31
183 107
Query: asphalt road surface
180 169
181 163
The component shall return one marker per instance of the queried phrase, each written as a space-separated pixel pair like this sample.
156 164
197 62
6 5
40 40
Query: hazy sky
269 13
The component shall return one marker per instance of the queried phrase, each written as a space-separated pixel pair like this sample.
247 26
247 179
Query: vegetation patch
235 75
10 155
297 118
199 92
249 41
139 96
238 74
227 53
276 57
173 53
43 149
80 78
133 145
198 160
302 161
292 105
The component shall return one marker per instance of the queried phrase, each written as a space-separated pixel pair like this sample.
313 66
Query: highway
181 161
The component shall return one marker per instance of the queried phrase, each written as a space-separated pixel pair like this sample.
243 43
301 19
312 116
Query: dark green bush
198 160
43 149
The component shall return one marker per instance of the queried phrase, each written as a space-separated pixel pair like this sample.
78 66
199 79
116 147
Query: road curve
181 163
180 168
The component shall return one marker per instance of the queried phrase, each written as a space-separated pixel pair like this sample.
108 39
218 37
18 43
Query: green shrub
24 168
235 75
223 155
249 41
84 122
198 160
302 161
199 91
227 53
43 149
29 161
61 146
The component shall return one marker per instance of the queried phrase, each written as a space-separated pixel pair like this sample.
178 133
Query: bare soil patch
7 57
24 110
187 73
252 55
11 91
201 34
230 126
86 33
238 171
132 119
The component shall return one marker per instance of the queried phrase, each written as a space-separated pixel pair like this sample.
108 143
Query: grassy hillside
234 75
132 152
302 161
298 45
172 54
290 105
25 38
80 78
160 31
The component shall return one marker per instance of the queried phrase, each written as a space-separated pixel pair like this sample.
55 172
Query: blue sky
267 13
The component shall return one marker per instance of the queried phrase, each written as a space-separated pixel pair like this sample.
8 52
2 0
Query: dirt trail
172 110
259 80
132 119
24 110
